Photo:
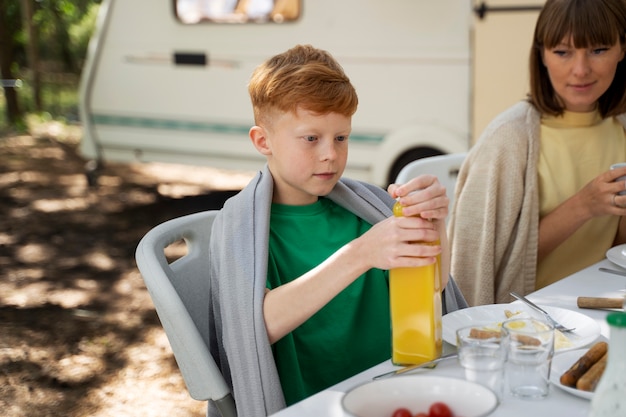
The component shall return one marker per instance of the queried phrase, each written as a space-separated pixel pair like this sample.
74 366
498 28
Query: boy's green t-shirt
353 331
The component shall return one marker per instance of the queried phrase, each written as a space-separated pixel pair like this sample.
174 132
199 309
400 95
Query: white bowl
382 397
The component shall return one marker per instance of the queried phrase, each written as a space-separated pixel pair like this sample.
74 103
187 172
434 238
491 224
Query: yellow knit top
576 148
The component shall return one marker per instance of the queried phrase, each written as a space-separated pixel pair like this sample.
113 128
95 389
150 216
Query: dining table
590 282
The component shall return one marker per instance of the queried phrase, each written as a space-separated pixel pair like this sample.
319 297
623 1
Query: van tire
92 172
408 157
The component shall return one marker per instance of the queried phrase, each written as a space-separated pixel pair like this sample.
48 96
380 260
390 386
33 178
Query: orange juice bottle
415 298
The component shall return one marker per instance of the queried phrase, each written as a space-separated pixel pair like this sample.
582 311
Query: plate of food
617 255
578 371
490 317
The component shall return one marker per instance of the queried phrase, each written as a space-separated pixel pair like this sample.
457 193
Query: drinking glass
530 349
482 354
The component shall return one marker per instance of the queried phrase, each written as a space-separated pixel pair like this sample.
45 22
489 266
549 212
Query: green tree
61 21
9 29
32 50
38 37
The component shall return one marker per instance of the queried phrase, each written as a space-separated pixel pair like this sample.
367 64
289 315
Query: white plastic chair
180 293
445 167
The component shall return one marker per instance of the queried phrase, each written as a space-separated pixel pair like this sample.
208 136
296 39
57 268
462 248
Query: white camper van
166 80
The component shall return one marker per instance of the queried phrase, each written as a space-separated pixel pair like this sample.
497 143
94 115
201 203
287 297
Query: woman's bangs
586 28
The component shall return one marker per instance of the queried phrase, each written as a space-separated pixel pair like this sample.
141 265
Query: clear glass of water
482 354
530 350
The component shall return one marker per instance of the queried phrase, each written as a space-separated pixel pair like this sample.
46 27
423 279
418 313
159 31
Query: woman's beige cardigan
495 227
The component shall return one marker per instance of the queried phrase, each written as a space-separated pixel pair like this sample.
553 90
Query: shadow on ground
78 332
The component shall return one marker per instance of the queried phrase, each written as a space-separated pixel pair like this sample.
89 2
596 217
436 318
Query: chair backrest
445 167
180 292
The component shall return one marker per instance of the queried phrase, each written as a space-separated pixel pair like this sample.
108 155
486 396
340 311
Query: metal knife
429 364
613 271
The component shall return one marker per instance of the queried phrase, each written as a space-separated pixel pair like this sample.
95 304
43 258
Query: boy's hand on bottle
392 243
422 196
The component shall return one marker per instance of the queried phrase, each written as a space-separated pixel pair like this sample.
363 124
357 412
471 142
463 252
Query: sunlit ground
78 332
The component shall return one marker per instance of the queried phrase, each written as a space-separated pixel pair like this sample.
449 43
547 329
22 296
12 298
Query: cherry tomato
402 412
439 409
421 415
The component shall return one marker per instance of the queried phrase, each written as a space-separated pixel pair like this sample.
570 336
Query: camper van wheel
92 172
408 157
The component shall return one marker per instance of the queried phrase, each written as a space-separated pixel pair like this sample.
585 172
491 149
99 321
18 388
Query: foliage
56 20
82 30
64 29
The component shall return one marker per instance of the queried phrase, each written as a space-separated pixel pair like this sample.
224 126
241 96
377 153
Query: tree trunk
32 51
63 38
14 114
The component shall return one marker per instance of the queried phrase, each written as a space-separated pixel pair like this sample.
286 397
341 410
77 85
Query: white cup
530 349
622 178
482 356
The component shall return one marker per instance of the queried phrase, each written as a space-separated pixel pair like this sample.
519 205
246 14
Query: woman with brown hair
535 198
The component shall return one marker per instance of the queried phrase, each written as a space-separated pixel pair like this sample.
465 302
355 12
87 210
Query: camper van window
237 11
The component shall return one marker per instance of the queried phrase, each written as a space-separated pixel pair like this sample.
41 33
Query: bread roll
483 334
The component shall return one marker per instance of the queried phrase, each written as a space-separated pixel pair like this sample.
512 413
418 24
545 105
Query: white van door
166 80
503 33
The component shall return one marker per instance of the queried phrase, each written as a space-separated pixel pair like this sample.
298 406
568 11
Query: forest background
79 336
43 45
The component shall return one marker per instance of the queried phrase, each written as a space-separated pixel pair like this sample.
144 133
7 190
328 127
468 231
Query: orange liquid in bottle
415 298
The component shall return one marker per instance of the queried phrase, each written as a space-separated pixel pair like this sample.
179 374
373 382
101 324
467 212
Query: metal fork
555 323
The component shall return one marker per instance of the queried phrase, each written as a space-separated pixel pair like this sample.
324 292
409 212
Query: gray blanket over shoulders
238 259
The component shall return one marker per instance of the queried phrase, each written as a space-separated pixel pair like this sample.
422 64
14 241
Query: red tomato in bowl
440 409
402 412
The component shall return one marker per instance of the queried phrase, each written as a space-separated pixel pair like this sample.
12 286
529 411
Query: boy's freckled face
307 154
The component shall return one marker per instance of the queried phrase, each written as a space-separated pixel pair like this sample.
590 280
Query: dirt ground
78 333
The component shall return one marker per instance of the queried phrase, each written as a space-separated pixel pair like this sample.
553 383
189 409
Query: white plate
417 393
561 363
617 255
587 329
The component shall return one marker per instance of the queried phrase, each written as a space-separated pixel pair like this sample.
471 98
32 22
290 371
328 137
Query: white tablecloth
588 282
